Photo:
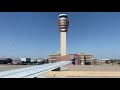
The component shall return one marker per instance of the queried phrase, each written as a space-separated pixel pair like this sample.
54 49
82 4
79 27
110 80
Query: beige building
85 59
82 59
53 57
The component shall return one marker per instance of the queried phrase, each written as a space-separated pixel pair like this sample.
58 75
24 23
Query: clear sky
36 34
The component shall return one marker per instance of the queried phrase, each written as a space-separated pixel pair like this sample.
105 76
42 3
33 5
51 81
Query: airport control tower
63 24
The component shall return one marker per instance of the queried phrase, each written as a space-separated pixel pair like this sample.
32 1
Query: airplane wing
32 71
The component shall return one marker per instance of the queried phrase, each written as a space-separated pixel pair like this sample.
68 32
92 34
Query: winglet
73 61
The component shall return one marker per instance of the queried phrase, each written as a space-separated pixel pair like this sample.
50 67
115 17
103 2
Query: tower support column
63 43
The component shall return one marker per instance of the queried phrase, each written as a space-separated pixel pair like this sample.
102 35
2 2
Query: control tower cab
63 22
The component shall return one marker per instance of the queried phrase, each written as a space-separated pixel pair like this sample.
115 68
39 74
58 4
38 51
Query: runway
10 67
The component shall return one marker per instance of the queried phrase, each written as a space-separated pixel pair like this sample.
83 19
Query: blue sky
36 34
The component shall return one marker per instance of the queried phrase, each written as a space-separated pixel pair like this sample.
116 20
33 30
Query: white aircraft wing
32 71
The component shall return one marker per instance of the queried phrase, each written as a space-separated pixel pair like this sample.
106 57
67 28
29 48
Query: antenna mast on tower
12 50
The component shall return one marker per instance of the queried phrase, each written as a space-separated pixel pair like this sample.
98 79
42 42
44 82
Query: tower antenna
12 50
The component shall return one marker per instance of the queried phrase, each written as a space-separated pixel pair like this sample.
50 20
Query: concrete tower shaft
63 43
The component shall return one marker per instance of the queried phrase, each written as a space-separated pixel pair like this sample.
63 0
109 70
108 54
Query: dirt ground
90 71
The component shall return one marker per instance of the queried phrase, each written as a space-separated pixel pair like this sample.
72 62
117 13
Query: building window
63 16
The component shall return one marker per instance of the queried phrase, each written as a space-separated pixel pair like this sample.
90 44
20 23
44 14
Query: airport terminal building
81 59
